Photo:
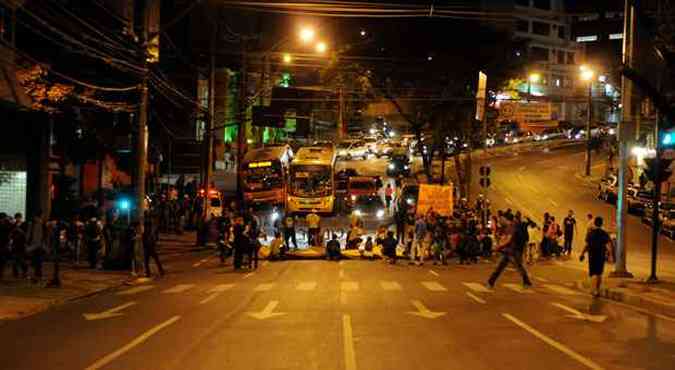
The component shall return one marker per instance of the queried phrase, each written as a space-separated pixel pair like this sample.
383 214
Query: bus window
263 178
311 181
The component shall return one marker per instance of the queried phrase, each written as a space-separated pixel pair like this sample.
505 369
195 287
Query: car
580 133
369 208
550 134
372 146
354 148
385 148
607 189
637 199
408 196
520 137
664 209
399 163
360 185
324 144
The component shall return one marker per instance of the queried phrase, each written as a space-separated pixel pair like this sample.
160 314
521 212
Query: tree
45 95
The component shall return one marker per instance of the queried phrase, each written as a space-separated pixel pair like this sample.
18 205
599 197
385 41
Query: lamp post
587 75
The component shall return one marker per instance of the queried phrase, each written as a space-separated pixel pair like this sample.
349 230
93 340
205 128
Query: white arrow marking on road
135 290
575 314
517 288
221 288
479 288
267 312
113 312
422 311
434 286
180 288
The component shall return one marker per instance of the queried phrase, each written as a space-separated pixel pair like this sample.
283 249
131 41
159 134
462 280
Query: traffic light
668 139
660 173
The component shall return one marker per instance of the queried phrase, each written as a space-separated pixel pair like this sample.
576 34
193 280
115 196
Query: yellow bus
311 184
264 175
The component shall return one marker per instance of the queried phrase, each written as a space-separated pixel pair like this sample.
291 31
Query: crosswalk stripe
390 285
561 289
307 285
517 288
476 287
349 286
180 288
221 288
136 289
264 287
434 286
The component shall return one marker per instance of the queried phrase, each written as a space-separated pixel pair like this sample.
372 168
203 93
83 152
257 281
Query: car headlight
380 213
409 201
358 213
406 167
612 131
392 166
353 197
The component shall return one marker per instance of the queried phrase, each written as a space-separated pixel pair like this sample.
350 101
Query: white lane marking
136 290
560 347
561 289
306 286
432 272
180 288
113 312
476 287
210 297
102 362
434 286
423 311
349 286
348 341
553 203
264 287
221 288
267 312
540 279
390 285
248 275
475 298
201 262
570 266
517 288
576 314
644 311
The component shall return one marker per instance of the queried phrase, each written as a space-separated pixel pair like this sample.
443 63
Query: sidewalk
20 298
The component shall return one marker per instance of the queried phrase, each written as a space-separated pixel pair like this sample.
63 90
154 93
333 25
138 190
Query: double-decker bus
311 185
264 175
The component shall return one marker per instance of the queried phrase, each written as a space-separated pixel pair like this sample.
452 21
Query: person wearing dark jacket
18 245
150 249
240 245
511 246
5 229
389 247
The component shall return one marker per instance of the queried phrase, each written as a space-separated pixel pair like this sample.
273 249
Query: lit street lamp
587 75
287 58
307 34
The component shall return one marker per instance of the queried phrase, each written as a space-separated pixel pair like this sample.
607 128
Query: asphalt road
349 315
551 181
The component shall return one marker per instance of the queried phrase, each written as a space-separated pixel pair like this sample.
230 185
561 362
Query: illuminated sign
260 164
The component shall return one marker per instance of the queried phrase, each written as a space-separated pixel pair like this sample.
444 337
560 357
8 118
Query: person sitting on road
389 247
277 247
333 248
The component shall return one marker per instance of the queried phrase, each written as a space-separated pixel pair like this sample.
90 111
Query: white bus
311 187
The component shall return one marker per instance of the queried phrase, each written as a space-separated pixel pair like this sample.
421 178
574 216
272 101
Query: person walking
93 234
553 234
36 245
314 228
511 246
289 232
388 196
590 223
598 247
569 230
18 248
150 247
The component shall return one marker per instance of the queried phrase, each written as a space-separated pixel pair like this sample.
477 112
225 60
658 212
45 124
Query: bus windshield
311 181
263 178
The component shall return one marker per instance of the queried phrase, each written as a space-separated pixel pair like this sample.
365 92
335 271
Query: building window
616 36
542 4
538 54
589 17
522 26
557 80
525 3
570 58
541 28
561 33
560 57
587 38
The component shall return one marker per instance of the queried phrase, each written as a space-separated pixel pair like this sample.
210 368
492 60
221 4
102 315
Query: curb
622 295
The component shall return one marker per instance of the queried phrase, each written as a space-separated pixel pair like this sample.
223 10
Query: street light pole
656 222
589 116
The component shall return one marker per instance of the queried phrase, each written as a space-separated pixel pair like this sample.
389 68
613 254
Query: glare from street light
583 67
534 77
587 75
307 34
287 58
363 32
321 47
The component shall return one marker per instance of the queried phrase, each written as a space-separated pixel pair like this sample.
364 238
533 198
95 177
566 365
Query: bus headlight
392 166
380 213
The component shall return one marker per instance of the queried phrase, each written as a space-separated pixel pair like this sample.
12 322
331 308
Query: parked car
637 199
520 137
372 146
349 149
668 223
607 189
664 209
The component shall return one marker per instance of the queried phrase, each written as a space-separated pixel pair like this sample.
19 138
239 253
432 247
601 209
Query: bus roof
266 154
314 155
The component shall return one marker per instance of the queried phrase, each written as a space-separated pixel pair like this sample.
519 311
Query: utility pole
341 108
625 135
589 117
208 139
656 222
241 132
